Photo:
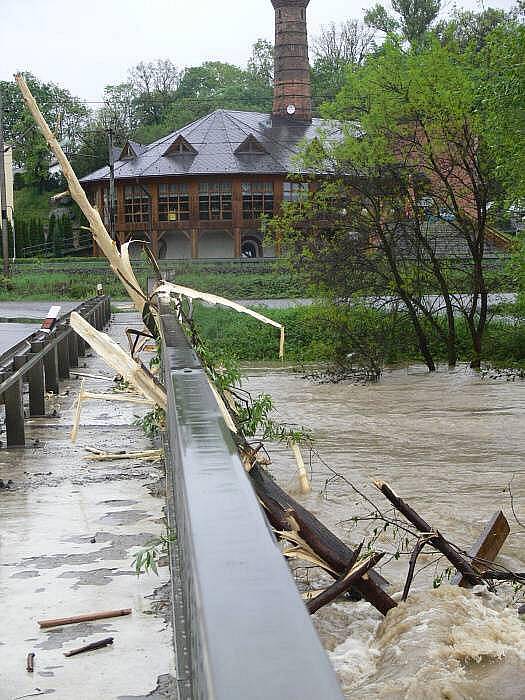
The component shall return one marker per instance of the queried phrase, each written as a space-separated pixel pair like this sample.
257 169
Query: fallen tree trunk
343 584
279 506
436 540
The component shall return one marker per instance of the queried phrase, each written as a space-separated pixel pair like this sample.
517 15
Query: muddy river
449 444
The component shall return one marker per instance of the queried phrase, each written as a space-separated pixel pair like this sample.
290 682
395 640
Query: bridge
240 627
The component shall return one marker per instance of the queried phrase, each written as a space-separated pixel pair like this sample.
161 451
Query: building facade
204 191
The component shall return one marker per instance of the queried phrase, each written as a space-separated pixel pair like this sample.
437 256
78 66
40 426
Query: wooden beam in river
487 547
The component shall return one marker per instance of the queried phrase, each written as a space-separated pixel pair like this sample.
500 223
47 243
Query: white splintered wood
120 265
169 287
119 360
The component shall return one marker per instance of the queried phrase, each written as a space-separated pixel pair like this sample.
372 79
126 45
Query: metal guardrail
70 245
41 360
241 629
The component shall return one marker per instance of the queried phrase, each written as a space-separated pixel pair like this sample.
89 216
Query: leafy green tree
51 232
66 114
468 29
153 86
412 18
59 236
502 90
418 157
261 62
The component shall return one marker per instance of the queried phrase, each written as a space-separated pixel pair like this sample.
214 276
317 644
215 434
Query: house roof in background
215 139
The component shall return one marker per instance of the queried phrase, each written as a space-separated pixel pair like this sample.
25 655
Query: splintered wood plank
487 547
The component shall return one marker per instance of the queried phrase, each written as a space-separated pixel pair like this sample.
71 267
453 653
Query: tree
417 158
337 49
66 113
153 86
261 62
412 18
469 29
502 86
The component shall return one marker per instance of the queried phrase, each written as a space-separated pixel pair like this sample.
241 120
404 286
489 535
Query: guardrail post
81 346
51 370
37 399
63 358
73 349
14 415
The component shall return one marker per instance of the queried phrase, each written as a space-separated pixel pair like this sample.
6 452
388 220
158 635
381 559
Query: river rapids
449 444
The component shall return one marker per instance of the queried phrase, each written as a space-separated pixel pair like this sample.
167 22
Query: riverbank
319 333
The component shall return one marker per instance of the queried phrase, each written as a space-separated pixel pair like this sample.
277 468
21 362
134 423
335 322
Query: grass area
71 280
314 334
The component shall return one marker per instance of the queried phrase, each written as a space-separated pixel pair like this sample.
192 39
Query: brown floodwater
449 444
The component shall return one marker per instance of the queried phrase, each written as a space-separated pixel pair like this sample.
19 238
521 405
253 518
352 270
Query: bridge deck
68 529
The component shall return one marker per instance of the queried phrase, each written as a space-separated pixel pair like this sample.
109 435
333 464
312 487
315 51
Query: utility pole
111 203
3 196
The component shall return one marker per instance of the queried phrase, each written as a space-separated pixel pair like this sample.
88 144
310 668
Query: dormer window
250 146
180 147
127 152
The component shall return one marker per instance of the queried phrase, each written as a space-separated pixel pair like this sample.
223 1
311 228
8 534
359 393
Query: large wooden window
174 202
257 199
295 191
136 204
215 201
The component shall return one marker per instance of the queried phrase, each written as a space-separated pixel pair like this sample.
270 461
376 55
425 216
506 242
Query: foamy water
449 444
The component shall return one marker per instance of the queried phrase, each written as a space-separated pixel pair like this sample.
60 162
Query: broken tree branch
120 361
89 647
343 584
149 455
89 617
437 540
422 541
304 483
326 545
119 262
179 290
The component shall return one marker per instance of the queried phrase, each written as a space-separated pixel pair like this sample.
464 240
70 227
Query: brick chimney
292 93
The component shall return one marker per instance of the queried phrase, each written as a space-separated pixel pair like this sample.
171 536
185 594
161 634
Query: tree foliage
411 18
66 114
414 166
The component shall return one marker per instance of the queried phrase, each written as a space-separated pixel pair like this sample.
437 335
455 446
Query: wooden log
89 617
89 647
437 540
487 547
344 583
327 546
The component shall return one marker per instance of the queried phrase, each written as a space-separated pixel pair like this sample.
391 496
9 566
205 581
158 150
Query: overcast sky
86 45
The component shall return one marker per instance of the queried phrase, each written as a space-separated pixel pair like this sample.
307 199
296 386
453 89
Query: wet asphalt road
12 332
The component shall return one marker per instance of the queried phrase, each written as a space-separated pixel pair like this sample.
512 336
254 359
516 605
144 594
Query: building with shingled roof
201 191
